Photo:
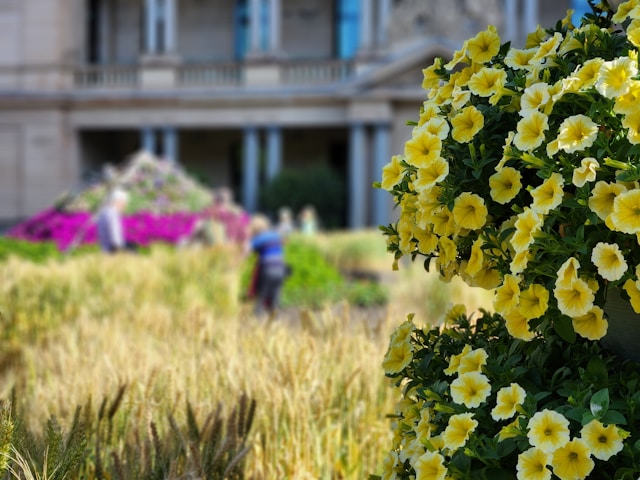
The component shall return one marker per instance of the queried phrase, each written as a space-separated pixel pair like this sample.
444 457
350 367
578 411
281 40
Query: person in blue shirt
270 272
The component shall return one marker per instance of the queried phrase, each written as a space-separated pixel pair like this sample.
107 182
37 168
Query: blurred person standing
110 225
308 221
270 268
285 223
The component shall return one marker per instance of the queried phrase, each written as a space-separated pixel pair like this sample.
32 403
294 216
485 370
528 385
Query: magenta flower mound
141 228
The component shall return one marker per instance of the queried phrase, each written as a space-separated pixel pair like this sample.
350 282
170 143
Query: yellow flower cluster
522 173
427 440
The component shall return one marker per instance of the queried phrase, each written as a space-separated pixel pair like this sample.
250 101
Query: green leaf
613 417
597 371
599 403
564 327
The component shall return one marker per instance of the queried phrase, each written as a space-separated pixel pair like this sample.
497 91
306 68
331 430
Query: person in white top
110 228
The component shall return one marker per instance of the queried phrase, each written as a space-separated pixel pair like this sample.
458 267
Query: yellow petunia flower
454 361
430 111
572 461
427 176
427 240
532 465
422 149
507 295
574 299
448 250
389 465
436 126
534 301
476 259
548 195
505 184
547 48
458 430
519 59
459 56
392 173
487 81
527 224
587 74
466 124
548 430
535 38
633 32
534 97
614 76
586 172
470 389
430 466
469 211
625 216
431 79
592 325
442 220
608 258
459 98
634 294
576 133
398 357
484 46
568 271
631 122
604 442
602 197
487 278
508 400
623 11
530 131
628 103
518 326
473 361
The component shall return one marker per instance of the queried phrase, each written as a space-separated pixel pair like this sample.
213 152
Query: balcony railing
316 72
224 74
279 73
102 76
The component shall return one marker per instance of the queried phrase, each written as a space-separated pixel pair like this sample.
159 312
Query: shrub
313 281
319 187
36 252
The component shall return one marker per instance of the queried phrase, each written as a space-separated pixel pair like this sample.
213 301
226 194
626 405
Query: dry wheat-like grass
170 327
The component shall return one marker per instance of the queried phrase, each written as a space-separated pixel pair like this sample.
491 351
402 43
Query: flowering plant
523 172
477 407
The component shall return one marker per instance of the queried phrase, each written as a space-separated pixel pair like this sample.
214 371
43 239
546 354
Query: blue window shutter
264 25
348 31
241 29
580 7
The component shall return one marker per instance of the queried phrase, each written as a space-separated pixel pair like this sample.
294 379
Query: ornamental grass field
153 342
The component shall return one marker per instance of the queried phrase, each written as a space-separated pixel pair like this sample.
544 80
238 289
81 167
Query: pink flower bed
141 228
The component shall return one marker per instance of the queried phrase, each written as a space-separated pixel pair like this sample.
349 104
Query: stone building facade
233 90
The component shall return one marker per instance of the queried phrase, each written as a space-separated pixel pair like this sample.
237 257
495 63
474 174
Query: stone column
250 166
384 17
530 16
511 20
275 27
274 152
151 22
170 23
148 140
104 33
357 164
171 145
381 156
254 26
366 25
